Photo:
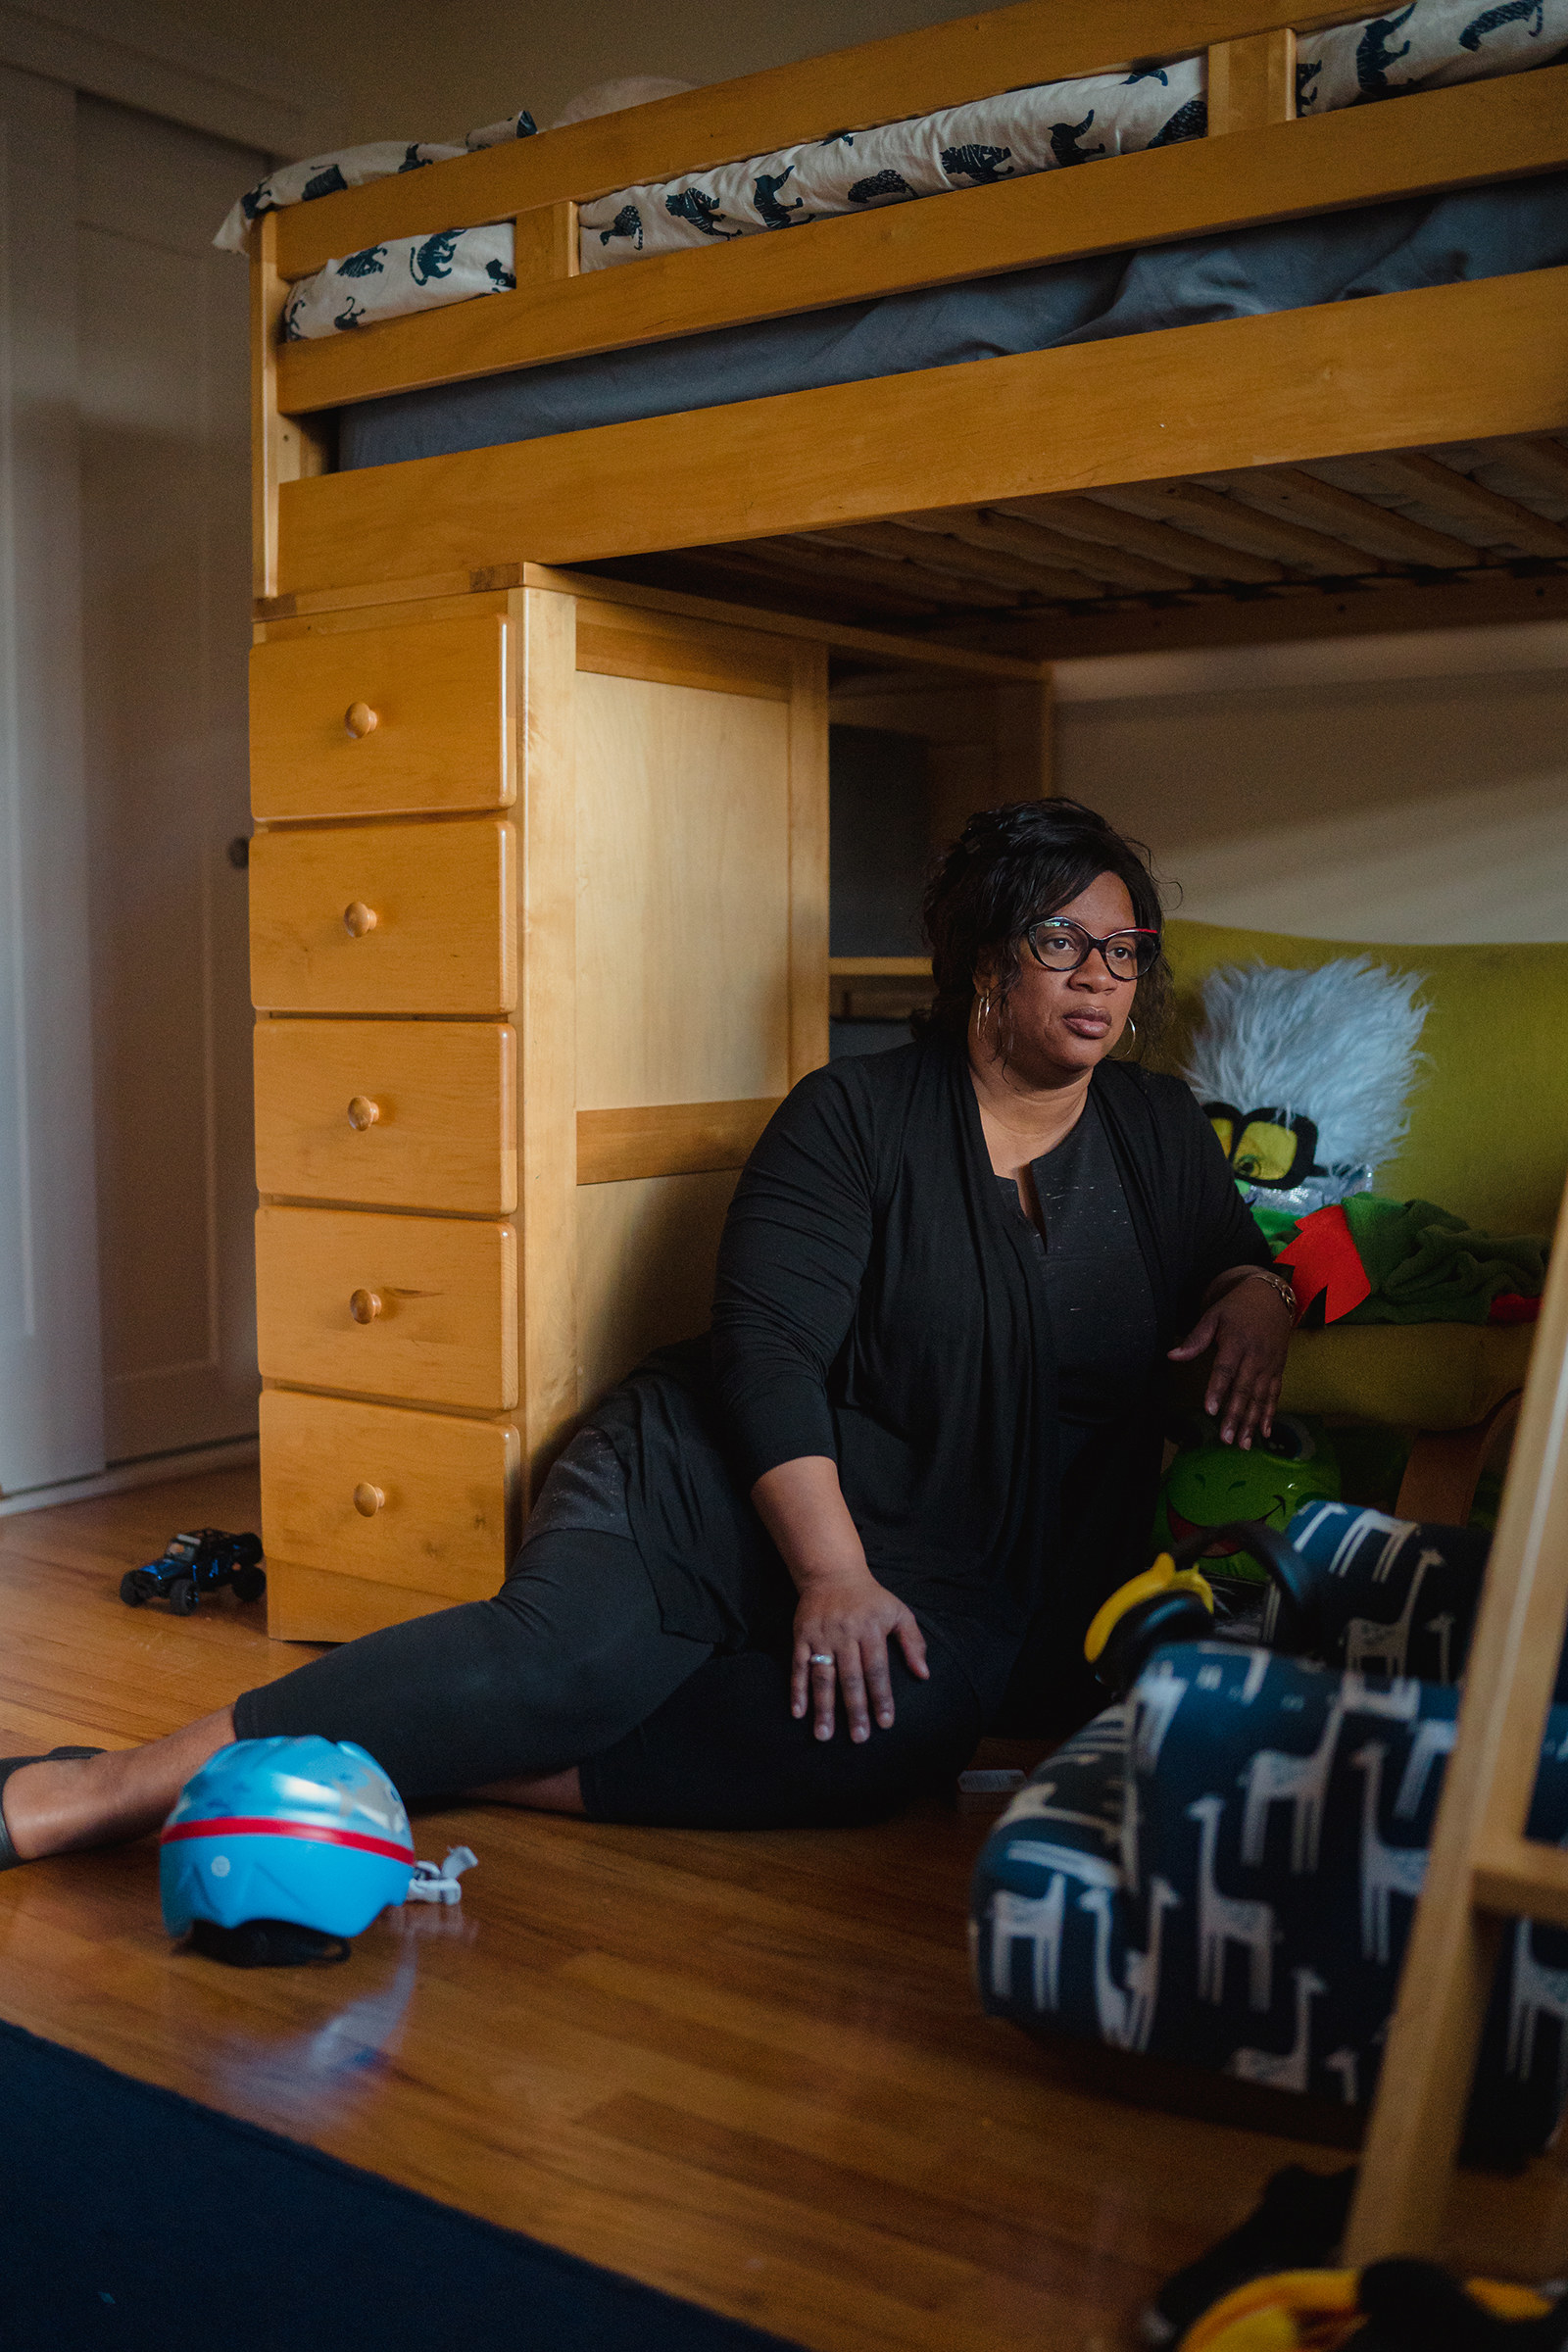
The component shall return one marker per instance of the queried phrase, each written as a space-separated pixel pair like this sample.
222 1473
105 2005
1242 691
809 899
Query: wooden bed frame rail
1412 371
1439 364
1266 168
879 81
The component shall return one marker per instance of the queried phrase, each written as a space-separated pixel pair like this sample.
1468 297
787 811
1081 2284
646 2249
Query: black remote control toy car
203 1562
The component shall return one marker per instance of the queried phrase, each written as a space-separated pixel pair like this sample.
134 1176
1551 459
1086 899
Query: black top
1097 1297
878 1300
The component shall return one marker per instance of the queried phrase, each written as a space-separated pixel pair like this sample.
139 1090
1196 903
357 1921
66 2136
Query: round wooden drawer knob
367 1499
365 1306
358 918
363 1112
360 720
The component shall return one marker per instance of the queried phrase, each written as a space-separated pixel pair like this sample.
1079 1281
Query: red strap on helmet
263 1825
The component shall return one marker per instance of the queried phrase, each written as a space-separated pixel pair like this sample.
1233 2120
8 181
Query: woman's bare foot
60 1807
549 1792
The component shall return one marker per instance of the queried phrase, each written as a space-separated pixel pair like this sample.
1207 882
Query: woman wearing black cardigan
787 1574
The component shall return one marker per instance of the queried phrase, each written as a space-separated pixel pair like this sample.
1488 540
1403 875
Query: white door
51 1390
164 435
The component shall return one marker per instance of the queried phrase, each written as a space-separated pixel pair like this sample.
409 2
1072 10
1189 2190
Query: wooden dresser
538 939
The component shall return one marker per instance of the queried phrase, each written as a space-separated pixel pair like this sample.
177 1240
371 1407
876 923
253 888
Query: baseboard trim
151 1470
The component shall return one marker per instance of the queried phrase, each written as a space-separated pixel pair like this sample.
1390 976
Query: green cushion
1407 1375
1488 1119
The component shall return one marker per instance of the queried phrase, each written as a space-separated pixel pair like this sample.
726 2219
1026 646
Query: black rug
133 2220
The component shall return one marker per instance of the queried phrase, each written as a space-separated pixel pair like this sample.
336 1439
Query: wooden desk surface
746 2069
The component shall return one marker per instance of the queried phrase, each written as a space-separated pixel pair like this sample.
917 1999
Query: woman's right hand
843 1615
848 1617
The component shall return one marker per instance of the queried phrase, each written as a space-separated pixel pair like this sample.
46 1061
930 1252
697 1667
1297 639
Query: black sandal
9 1857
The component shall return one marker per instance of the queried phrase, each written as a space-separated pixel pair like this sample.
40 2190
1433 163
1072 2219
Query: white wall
1401 790
411 69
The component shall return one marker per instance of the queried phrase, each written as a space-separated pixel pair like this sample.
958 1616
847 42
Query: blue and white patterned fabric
962 147
1396 1597
1423 45
1224 1872
406 273
1224 1869
351 167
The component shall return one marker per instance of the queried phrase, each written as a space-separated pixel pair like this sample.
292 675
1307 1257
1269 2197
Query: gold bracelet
1277 1284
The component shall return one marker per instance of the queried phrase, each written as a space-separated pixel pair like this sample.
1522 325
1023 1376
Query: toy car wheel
182 1596
133 1591
249 1583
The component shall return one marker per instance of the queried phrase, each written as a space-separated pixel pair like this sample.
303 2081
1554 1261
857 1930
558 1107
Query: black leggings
571 1664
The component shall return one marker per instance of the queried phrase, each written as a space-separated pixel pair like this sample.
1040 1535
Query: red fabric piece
1323 1261
1510 1307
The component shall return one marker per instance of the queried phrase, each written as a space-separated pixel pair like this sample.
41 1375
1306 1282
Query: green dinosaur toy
1208 1484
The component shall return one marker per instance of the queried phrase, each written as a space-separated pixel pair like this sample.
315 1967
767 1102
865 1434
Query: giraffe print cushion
1397 1597
1224 1871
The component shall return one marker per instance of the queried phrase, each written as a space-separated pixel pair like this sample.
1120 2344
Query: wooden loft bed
789 500
476 613
539 884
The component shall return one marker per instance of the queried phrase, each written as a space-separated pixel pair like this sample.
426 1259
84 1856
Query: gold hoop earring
1132 1029
983 1012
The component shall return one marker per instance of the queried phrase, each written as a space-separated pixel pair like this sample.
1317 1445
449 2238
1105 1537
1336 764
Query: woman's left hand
1248 1327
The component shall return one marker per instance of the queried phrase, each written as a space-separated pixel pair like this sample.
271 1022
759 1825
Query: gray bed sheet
1337 256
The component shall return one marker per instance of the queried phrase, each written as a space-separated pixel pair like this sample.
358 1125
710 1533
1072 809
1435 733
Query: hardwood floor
746 2068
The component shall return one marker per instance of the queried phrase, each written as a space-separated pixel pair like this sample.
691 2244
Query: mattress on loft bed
1337 256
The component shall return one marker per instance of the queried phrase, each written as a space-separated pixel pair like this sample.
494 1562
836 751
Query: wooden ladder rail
1483 1870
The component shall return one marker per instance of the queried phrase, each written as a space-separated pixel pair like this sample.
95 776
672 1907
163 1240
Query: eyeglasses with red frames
1058 945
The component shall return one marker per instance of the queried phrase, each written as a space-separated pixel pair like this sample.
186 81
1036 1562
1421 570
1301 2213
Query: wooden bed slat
1544 462
935 550
1035 543
1241 523
1442 487
968 584
1113 526
1293 496
824 568
1440 138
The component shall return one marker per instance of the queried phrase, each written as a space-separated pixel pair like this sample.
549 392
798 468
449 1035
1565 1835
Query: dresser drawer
417 1500
398 1115
384 918
420 1307
382 721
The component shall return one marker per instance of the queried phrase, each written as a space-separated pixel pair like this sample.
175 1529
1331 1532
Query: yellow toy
1318 2311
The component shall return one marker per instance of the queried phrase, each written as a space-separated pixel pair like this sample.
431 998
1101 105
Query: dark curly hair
1009 868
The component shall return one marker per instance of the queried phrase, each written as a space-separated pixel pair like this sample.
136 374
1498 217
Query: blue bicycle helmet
283 1834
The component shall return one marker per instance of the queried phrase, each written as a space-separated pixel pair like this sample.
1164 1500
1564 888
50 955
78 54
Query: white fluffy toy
1306 1075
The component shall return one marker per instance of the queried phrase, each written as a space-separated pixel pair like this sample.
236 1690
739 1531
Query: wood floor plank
749 2070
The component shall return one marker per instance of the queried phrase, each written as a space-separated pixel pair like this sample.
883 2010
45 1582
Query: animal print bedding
1427 44
406 273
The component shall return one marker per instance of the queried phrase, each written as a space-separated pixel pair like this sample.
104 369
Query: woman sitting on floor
919 1447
